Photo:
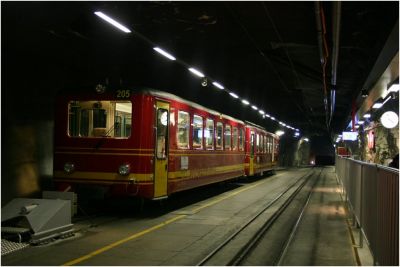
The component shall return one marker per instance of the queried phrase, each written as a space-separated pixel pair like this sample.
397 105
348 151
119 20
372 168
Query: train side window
265 144
183 130
162 131
258 143
219 136
252 142
209 134
261 143
235 138
270 145
197 132
241 139
227 137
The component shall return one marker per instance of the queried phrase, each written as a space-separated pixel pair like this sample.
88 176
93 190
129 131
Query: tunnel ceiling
266 52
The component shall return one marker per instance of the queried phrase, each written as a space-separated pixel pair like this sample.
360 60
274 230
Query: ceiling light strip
165 54
112 21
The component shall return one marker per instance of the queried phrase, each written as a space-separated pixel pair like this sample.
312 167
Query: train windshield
100 119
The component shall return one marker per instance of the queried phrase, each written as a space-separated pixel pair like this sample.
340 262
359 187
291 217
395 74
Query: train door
251 165
161 149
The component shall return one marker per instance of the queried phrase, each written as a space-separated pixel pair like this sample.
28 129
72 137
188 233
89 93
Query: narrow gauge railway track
243 252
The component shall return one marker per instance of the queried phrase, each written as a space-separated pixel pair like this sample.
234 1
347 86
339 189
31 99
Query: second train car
150 144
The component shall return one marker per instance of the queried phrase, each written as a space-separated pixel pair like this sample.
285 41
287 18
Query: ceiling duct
335 53
323 52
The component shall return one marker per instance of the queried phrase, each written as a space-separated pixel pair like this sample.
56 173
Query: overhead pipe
323 52
336 17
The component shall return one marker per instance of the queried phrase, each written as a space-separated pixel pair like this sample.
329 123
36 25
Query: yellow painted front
251 166
161 167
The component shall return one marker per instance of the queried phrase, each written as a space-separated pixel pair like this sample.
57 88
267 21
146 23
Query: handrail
372 193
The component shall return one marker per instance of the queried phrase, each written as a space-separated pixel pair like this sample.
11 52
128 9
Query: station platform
186 235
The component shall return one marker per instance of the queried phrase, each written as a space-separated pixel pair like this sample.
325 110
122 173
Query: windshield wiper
101 141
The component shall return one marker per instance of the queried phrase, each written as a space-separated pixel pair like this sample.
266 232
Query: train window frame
197 126
185 125
115 116
219 136
210 134
228 140
241 139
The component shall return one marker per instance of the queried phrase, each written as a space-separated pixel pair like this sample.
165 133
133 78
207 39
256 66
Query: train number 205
123 93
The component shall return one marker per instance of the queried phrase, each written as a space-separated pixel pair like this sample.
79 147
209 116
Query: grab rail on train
372 194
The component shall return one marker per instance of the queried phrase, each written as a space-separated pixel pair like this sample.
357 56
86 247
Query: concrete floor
186 235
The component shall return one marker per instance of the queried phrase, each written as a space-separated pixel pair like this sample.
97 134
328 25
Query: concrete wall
293 152
27 165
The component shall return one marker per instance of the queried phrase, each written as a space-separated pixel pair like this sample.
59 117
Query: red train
150 143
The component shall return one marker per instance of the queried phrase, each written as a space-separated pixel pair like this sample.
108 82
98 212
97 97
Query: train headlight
124 169
69 167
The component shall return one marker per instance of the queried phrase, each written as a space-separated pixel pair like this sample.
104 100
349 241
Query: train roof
258 126
167 95
190 103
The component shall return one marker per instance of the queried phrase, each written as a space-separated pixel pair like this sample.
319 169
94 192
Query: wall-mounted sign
349 136
389 119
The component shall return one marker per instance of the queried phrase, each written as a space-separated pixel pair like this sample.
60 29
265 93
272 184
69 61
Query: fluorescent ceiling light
296 134
377 105
367 116
218 85
254 107
279 133
357 126
233 95
394 88
244 101
267 115
306 139
284 124
261 112
273 118
360 122
112 22
386 100
287 126
165 54
196 72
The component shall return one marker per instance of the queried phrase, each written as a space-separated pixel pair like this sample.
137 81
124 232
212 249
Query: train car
261 150
150 144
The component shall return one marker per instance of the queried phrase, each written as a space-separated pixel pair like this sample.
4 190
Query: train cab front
101 140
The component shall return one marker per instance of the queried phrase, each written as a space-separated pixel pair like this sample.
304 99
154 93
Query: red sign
371 139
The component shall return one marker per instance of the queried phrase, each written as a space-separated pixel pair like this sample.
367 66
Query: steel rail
295 227
252 219
238 258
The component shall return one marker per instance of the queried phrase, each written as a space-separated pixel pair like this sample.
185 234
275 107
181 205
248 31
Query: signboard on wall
349 136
